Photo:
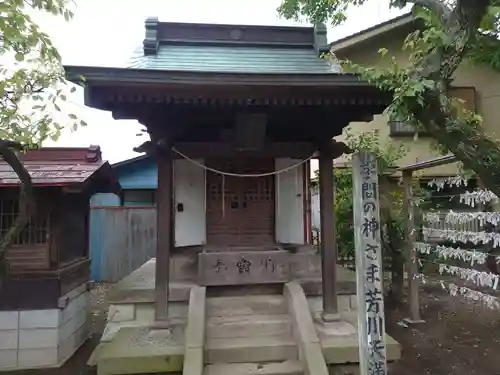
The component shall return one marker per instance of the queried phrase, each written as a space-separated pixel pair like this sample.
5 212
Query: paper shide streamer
443 252
487 300
479 278
457 236
453 217
440 183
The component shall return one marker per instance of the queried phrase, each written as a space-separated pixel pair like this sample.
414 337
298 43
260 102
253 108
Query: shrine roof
247 49
233 59
225 49
197 64
233 48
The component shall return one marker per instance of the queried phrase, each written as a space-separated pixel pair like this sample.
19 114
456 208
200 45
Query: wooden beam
437 162
411 257
198 150
295 150
328 233
165 231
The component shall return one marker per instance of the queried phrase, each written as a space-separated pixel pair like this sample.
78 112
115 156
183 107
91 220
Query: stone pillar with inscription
371 321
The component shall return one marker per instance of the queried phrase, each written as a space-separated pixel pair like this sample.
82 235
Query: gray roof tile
233 59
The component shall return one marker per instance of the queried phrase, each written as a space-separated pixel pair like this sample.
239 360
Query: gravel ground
460 337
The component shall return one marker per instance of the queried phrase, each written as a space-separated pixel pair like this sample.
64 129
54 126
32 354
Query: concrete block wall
43 338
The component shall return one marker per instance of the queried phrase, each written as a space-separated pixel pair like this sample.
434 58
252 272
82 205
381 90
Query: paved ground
459 338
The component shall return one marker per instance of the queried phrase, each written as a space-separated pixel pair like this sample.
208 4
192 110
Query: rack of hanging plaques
452 235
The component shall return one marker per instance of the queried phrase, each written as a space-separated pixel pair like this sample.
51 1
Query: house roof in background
57 166
372 32
133 160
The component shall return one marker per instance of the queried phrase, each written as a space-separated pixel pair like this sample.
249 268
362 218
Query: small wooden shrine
50 257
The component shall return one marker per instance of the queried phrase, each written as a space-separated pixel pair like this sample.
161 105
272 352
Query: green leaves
315 11
32 87
388 155
447 33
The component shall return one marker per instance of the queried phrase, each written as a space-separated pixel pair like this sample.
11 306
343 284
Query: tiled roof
233 59
212 48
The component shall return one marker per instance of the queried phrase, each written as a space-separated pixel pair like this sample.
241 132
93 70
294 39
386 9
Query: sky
105 32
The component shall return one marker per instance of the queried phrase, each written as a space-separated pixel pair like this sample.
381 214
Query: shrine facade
235 114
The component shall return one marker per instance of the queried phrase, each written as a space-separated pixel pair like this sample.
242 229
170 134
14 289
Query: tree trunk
391 245
470 144
397 277
26 199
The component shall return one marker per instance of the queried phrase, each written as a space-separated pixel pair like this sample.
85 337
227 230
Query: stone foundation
230 329
33 339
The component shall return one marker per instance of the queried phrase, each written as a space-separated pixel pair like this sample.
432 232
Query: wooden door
242 215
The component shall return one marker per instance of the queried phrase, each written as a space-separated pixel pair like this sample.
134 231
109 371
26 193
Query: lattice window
35 233
139 197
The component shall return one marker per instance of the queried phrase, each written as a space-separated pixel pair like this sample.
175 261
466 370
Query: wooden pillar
411 257
164 232
328 233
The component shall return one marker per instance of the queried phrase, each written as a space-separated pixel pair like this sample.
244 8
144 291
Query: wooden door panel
244 214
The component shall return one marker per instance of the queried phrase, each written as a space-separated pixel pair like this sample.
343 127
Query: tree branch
26 198
471 12
435 6
467 142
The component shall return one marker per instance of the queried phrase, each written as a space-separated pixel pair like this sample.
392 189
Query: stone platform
267 332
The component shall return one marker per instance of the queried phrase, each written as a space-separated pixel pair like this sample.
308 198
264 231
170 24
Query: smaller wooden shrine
50 258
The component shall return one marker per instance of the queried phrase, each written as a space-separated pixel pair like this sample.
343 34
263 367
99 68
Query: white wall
190 192
289 192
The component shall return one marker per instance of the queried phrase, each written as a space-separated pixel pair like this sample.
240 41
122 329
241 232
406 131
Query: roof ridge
60 154
224 34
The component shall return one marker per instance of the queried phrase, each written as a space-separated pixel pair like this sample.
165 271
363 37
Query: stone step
250 349
246 305
248 326
271 368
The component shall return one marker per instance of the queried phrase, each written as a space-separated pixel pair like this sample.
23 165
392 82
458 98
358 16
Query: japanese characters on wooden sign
371 321
243 267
